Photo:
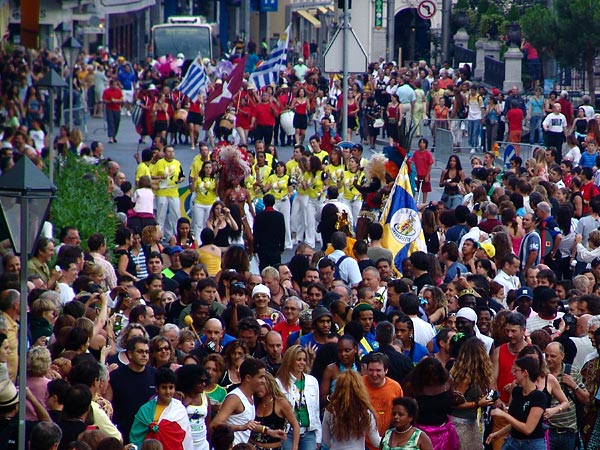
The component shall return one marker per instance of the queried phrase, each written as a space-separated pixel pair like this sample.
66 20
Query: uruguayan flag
195 80
268 71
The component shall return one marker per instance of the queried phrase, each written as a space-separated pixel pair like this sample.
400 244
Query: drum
287 122
181 117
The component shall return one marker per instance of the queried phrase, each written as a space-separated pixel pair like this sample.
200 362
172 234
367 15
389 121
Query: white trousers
199 218
284 207
301 206
314 208
168 211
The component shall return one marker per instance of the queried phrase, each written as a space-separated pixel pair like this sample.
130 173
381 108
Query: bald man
582 340
274 349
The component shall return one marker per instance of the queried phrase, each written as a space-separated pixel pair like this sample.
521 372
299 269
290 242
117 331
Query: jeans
562 441
525 444
308 441
535 130
454 201
474 130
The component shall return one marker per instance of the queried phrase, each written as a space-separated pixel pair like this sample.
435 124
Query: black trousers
265 133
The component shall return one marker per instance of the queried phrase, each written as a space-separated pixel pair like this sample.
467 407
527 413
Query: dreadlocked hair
350 408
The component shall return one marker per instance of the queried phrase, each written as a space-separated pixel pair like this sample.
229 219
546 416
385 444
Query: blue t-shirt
453 270
419 352
455 233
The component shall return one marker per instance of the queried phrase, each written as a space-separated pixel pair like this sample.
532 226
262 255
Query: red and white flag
222 95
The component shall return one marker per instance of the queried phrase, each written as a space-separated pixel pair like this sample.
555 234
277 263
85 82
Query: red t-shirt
514 117
264 114
423 160
111 94
242 118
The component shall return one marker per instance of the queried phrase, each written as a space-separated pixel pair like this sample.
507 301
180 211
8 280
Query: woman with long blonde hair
272 412
472 372
349 417
302 391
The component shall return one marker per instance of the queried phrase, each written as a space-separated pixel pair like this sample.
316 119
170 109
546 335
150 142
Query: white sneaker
129 113
473 150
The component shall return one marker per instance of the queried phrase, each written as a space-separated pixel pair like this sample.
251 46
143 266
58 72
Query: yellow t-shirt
172 169
206 191
335 173
350 192
249 182
142 169
315 184
196 166
322 155
279 186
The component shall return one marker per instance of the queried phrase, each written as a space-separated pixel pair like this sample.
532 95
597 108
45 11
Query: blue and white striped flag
195 80
268 71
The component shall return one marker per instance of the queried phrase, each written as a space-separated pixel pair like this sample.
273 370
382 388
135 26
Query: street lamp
52 81
62 31
25 197
71 49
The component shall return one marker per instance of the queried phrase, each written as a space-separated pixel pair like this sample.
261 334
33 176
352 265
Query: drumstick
190 323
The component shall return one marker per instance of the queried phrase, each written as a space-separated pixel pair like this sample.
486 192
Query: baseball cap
172 250
488 248
525 292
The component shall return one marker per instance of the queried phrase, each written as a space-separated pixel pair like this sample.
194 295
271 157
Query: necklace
404 431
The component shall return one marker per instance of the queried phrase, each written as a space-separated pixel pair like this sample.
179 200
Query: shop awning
305 14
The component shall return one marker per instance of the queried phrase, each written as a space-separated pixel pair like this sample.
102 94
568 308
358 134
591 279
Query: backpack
336 272
579 407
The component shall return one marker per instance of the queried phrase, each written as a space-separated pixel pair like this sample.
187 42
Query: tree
82 200
568 31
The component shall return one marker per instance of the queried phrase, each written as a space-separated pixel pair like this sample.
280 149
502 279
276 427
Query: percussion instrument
181 117
287 122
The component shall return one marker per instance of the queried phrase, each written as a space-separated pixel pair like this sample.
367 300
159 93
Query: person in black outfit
131 386
420 263
269 234
399 364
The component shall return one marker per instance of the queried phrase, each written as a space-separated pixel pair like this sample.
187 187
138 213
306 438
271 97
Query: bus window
189 40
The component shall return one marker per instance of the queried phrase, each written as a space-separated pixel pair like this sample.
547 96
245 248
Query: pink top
144 200
38 387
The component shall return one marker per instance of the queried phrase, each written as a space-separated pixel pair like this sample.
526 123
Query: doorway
412 34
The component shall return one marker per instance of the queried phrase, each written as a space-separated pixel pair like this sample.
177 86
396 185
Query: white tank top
197 415
242 418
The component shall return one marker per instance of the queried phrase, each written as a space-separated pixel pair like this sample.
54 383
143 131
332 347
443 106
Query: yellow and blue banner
402 231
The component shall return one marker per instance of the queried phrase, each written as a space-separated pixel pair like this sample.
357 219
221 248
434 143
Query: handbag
378 123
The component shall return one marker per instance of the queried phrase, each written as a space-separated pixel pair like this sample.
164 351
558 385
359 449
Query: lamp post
71 48
62 31
52 81
25 197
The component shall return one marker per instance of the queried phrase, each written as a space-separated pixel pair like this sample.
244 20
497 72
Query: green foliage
486 21
568 31
513 13
83 200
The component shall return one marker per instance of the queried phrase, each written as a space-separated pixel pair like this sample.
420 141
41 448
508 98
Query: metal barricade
443 147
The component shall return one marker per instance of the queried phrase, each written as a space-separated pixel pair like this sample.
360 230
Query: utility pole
391 9
346 31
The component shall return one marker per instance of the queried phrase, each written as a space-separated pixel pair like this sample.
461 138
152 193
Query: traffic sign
334 55
426 9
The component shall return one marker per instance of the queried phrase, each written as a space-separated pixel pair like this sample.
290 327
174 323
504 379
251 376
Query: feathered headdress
233 162
376 168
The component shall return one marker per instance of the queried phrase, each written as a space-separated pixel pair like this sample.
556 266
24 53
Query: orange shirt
381 399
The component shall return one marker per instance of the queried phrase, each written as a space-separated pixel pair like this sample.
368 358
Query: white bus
183 34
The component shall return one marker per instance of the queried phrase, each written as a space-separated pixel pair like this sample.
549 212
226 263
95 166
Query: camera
570 320
492 396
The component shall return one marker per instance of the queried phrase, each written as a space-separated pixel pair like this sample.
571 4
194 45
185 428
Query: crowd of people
193 334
